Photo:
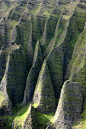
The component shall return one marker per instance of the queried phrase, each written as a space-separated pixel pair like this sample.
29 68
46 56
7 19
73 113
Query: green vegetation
77 67
18 11
55 65
35 105
44 94
37 28
16 76
32 78
81 124
44 119
76 26
6 121
21 116
3 58
36 10
1 98
45 45
13 23
69 106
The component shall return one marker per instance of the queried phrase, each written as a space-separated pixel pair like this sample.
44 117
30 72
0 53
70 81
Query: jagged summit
42 44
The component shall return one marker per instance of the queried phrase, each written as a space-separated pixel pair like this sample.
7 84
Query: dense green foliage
42 44
16 76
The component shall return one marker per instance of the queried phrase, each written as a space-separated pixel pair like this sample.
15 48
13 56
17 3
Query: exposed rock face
5 103
77 67
33 74
44 94
2 28
55 65
76 26
69 107
44 41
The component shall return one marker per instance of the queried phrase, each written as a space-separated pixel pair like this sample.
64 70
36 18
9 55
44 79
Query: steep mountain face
69 106
42 64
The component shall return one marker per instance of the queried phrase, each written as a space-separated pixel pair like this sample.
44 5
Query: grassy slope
42 119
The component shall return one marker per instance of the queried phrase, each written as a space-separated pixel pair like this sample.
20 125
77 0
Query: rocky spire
44 94
69 106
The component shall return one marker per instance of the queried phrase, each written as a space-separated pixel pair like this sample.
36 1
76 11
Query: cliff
42 64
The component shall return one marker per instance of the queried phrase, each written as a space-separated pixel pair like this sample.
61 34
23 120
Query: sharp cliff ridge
42 64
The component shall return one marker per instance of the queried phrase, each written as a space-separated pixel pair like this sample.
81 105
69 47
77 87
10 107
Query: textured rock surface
2 64
76 26
16 76
69 106
2 29
5 103
55 65
77 66
44 95
51 30
33 75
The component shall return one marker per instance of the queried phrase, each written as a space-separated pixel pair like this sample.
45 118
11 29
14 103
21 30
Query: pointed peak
44 94
37 52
